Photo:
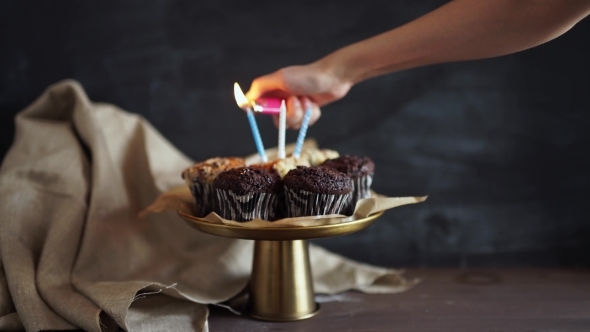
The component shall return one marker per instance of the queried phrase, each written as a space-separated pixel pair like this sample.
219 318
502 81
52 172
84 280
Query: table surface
494 300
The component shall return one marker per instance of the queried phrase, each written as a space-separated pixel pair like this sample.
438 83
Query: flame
241 99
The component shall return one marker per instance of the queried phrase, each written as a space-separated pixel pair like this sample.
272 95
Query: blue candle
256 134
302 133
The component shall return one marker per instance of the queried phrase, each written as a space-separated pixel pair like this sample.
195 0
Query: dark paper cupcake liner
245 206
361 188
205 199
302 203
281 211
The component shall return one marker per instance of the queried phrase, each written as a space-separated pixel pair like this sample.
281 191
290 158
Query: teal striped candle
302 133
256 134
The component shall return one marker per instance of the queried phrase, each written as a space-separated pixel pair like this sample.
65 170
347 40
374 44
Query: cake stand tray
281 287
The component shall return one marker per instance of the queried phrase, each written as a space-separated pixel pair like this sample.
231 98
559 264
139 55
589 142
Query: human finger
315 110
295 112
264 84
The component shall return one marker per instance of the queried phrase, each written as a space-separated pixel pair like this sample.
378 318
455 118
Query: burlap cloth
75 256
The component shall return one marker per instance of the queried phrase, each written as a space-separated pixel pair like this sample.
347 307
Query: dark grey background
499 145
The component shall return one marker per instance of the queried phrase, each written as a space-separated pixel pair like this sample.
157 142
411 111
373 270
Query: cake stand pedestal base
281 287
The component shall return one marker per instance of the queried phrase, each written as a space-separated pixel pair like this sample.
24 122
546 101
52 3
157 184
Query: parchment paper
171 200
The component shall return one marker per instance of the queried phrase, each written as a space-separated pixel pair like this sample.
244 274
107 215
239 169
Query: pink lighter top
267 106
262 105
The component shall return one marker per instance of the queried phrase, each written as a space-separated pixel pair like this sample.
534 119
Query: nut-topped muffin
247 193
206 171
200 177
312 191
316 157
282 166
360 170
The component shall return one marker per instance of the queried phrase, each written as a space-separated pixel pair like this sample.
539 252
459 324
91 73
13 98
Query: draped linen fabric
74 255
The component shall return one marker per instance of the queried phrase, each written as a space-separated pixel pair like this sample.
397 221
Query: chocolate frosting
353 166
248 179
321 180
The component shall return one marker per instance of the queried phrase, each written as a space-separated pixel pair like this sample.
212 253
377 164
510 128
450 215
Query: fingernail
306 103
297 111
296 102
292 114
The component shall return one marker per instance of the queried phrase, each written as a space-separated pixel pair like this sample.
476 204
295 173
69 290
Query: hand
310 85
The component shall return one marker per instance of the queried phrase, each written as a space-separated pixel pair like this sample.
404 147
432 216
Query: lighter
261 105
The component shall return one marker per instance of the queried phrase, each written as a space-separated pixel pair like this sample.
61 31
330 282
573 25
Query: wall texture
497 144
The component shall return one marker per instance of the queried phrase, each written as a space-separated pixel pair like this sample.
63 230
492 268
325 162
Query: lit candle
282 129
256 134
302 133
270 106
243 103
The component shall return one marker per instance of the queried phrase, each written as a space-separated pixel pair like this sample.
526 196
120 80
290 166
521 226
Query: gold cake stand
281 287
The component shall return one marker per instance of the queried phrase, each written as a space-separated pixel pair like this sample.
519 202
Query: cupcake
281 167
360 170
313 191
316 157
200 178
247 193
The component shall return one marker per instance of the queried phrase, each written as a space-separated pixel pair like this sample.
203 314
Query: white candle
282 128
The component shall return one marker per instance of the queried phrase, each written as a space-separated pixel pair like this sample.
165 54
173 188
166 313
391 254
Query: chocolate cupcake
313 191
360 170
281 167
200 177
247 193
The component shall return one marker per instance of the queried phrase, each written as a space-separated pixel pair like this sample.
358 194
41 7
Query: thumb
265 84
